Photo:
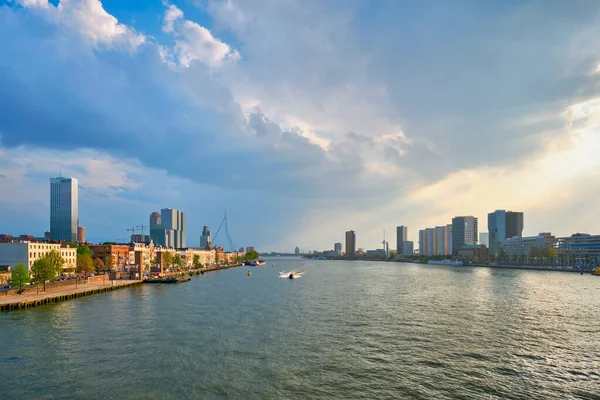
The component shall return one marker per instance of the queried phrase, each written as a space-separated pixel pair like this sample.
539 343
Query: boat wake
293 274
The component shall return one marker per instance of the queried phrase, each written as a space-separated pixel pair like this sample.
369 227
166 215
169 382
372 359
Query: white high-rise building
64 209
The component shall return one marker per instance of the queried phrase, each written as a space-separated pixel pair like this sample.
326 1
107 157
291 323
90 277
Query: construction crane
132 230
142 226
224 222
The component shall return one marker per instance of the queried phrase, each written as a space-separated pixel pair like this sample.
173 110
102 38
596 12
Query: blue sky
302 118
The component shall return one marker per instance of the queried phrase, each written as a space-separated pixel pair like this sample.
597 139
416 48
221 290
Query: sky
301 118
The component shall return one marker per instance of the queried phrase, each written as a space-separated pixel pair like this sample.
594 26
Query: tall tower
350 243
464 232
205 239
64 209
401 237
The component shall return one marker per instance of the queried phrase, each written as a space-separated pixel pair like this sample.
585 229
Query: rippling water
346 330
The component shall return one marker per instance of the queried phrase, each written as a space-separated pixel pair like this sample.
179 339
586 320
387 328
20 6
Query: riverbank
15 302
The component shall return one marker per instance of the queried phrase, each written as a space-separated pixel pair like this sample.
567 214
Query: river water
344 330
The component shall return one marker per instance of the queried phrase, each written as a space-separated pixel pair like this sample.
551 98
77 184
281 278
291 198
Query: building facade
64 209
579 245
501 226
205 240
464 232
114 256
337 247
401 237
168 228
81 234
350 243
521 246
407 248
26 253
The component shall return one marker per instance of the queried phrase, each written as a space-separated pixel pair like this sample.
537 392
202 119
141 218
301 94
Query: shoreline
16 302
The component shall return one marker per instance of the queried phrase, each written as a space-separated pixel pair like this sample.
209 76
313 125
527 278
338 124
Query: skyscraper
401 237
205 238
464 231
168 228
501 226
337 247
64 209
350 243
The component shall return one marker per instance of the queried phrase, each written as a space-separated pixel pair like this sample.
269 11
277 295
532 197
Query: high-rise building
350 243
337 247
484 238
64 205
81 234
401 237
168 228
297 251
205 239
408 248
464 232
501 226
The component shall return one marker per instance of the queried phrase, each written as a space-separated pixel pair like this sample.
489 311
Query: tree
56 261
109 262
177 260
251 255
98 264
393 255
83 249
167 259
19 277
85 264
196 261
43 270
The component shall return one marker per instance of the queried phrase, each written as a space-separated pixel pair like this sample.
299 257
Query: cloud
195 42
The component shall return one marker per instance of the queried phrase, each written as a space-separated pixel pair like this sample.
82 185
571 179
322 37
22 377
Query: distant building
464 232
297 251
475 251
249 249
521 246
407 248
379 253
81 234
579 245
337 247
205 240
501 226
114 256
350 243
26 253
168 228
64 211
138 238
484 238
401 237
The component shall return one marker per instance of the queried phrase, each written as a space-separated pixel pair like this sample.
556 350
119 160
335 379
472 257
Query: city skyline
363 122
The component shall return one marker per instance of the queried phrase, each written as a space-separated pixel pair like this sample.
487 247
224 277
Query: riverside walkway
27 300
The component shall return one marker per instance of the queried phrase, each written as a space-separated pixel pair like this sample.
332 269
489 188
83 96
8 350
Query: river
344 330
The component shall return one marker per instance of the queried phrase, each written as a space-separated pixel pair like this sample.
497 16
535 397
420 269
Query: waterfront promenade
26 300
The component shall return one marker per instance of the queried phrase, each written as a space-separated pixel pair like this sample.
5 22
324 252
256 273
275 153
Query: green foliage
108 243
98 264
393 254
177 260
85 264
19 277
251 255
168 259
43 270
109 263
83 249
55 260
196 261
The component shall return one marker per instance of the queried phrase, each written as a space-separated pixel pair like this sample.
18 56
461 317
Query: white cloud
195 42
90 19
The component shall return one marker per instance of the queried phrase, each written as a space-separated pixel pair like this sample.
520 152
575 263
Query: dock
18 302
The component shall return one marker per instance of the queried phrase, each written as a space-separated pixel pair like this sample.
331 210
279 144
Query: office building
297 251
401 237
168 228
579 245
26 253
484 239
337 247
350 243
407 249
464 232
64 214
501 226
205 240
521 246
